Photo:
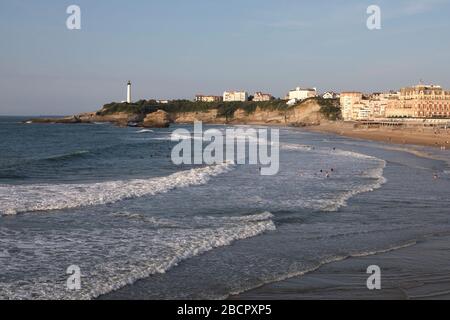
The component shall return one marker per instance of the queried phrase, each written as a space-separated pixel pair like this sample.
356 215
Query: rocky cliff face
306 114
121 118
211 116
158 119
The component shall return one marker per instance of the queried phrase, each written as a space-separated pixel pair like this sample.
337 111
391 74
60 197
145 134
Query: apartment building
231 96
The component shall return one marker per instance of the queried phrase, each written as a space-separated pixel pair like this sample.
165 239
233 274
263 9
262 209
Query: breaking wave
145 131
20 199
154 251
373 177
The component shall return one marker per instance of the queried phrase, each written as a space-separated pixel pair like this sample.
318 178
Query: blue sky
177 48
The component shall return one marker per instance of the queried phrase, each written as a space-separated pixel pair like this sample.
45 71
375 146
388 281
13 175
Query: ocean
110 201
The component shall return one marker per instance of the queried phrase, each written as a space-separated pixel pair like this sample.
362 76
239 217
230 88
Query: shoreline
419 136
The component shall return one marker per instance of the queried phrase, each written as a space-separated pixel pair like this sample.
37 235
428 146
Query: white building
302 94
364 112
260 96
351 102
231 96
356 106
129 92
330 95
291 102
208 98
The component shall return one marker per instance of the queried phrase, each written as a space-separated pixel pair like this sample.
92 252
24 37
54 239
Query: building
259 96
231 96
357 106
302 94
351 102
330 95
203 98
378 103
363 111
420 101
129 92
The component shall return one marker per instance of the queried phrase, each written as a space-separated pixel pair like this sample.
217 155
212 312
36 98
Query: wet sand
418 272
439 138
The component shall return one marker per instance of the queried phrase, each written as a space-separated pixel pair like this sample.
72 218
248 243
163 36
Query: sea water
110 201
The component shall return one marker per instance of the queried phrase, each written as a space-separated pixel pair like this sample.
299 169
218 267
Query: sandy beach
439 138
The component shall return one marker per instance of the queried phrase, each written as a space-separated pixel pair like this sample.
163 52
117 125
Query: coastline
419 136
416 272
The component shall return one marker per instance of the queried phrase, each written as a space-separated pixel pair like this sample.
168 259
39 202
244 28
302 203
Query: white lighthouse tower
129 92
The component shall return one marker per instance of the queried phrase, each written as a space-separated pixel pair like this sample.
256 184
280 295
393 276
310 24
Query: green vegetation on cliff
224 108
329 108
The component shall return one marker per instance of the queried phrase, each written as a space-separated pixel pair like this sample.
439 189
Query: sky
172 49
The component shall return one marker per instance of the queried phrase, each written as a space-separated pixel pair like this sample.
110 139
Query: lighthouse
129 92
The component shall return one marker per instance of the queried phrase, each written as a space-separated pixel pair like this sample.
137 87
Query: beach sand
421 271
409 136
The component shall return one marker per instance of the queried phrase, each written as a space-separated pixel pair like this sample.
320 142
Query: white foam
20 199
233 134
145 131
295 147
373 175
154 251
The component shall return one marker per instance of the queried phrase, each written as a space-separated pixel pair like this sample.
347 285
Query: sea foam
146 251
20 199
373 176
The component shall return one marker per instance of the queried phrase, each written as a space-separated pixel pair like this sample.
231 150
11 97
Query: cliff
151 114
158 119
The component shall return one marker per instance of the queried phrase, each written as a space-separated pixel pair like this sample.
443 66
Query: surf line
231 147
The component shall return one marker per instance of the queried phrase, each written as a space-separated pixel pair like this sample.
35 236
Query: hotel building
421 101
